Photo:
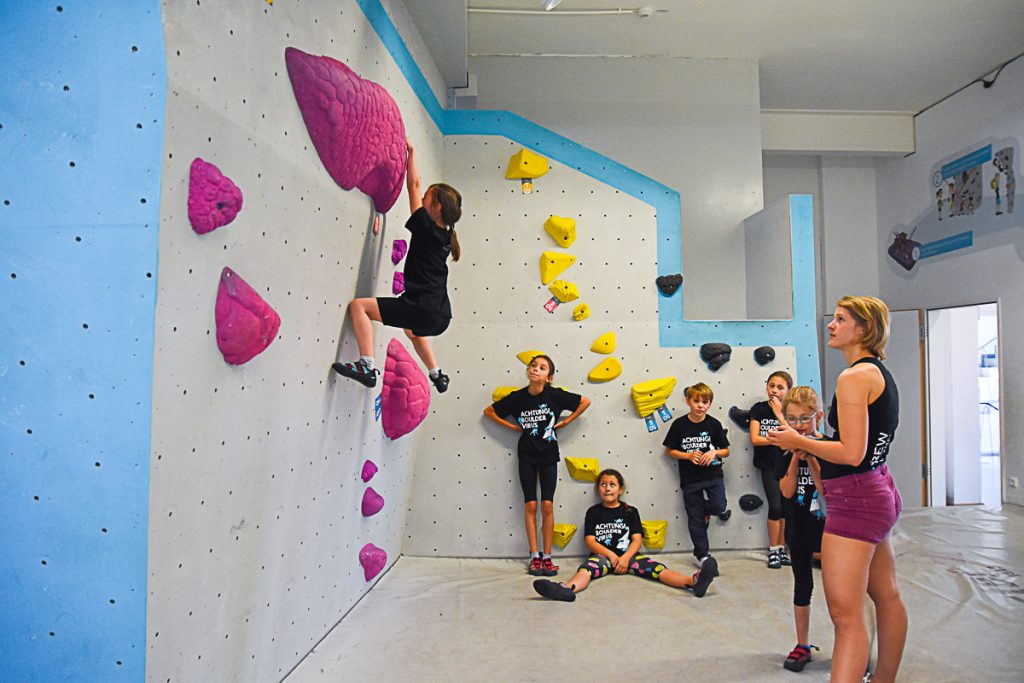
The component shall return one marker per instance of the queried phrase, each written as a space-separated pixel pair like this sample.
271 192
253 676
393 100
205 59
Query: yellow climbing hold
501 392
604 344
654 532
563 534
581 312
652 394
583 469
527 356
552 263
562 230
564 291
526 164
606 370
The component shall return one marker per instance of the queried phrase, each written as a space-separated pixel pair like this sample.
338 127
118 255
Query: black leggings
803 534
528 474
803 576
772 493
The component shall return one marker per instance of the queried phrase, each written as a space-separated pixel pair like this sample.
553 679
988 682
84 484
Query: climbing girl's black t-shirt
426 267
765 457
537 415
883 418
613 527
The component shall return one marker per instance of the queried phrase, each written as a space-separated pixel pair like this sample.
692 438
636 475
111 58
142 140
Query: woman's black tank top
883 417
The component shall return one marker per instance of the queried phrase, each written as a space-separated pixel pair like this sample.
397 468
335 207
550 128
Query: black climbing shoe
704 576
553 591
725 515
359 371
440 382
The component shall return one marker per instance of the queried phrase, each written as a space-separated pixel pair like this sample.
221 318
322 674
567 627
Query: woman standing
863 503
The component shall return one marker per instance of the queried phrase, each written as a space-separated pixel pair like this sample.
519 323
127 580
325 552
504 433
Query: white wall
988 271
691 124
769 263
467 501
255 524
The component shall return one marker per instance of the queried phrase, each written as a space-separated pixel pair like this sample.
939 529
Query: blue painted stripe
978 156
675 331
946 245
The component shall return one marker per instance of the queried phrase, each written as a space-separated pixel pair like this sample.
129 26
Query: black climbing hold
715 355
740 417
750 502
764 355
668 284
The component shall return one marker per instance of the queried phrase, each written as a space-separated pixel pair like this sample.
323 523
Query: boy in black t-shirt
699 442
536 409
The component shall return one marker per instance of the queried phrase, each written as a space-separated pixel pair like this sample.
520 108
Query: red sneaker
536 567
549 567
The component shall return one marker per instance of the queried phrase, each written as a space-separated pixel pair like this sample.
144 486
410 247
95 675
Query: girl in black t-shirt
765 416
613 533
536 409
423 310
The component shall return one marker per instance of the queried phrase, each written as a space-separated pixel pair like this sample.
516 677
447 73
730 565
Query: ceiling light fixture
550 4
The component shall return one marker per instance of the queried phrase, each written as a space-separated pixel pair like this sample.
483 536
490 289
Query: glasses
805 420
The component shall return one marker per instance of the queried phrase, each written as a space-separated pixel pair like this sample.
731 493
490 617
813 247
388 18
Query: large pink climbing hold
354 124
369 469
246 324
399 249
398 283
405 398
373 502
213 200
373 560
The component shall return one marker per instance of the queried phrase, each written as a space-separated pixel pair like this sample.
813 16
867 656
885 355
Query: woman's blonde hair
805 397
873 315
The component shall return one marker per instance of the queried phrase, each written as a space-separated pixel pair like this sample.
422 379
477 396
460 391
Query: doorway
963 406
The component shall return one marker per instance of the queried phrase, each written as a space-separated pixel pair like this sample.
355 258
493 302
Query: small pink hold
398 251
369 469
246 324
373 560
372 502
398 283
213 199
405 398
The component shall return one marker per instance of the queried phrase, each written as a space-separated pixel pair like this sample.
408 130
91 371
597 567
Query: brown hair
784 375
802 396
700 390
551 364
873 315
451 211
609 472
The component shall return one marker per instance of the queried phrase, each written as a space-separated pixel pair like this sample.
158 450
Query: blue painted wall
81 130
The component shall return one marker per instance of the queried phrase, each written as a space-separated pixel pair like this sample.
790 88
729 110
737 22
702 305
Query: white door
905 360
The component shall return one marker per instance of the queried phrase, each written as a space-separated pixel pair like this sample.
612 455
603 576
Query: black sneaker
554 591
704 576
359 371
774 559
725 515
440 382
784 558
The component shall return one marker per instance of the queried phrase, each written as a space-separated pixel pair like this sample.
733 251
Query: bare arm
597 549
584 404
788 482
412 178
682 455
755 434
489 412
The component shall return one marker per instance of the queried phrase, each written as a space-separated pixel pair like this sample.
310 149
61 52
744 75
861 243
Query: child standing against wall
536 409
699 442
423 310
764 416
805 522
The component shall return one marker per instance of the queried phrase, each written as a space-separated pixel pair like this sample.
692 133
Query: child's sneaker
704 576
440 381
784 557
774 559
536 567
725 515
553 591
798 658
359 371
549 567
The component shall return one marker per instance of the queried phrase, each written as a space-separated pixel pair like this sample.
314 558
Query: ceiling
851 55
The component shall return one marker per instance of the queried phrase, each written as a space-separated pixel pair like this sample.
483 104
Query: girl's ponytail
456 249
451 211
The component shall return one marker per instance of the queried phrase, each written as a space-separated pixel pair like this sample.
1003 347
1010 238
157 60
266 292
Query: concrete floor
479 620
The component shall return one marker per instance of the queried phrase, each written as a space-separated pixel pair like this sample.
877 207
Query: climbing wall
466 500
256 523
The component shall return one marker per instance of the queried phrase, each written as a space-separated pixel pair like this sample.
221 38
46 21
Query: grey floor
479 620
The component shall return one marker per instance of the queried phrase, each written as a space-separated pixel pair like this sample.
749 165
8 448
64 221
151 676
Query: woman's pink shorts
862 506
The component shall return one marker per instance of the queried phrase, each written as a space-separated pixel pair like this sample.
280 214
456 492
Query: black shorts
396 312
528 475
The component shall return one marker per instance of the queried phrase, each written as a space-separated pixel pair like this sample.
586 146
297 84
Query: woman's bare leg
844 569
890 612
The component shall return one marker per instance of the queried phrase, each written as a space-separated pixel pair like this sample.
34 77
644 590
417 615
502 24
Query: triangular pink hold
213 199
373 502
369 469
373 560
405 398
399 248
355 126
246 324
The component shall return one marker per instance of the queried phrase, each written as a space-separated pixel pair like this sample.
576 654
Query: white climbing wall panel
255 524
466 499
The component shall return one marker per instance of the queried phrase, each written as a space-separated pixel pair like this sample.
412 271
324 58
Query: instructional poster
973 192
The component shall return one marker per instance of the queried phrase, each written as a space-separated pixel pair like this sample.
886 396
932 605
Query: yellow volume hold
552 263
562 230
526 164
563 534
604 344
606 370
583 469
564 291
652 394
527 356
654 532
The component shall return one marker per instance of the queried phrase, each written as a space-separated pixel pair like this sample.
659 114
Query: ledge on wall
874 133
